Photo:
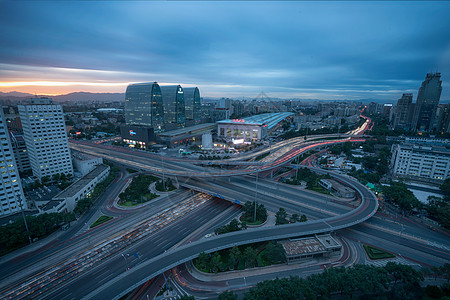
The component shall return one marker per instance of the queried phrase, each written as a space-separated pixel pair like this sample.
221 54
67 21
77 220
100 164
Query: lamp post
256 194
126 262
24 219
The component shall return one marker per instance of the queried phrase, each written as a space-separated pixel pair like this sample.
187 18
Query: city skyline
324 51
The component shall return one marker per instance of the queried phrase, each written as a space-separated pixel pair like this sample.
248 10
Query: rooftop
190 129
319 243
269 119
82 156
75 187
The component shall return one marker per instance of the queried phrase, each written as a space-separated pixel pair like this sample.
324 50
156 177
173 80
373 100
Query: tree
274 252
227 295
303 218
398 192
294 218
281 217
215 262
250 257
445 187
203 259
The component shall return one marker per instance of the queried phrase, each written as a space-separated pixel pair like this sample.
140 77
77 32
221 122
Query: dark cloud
287 49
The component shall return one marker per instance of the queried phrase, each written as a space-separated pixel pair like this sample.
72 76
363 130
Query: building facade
46 138
427 103
20 152
144 106
420 162
254 128
174 108
12 199
67 200
192 105
403 112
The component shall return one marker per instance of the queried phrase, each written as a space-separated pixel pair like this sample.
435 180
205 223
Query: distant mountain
15 94
72 97
87 97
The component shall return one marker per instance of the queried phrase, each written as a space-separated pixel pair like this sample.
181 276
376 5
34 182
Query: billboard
137 133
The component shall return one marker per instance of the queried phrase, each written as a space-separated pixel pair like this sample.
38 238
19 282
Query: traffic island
102 219
376 253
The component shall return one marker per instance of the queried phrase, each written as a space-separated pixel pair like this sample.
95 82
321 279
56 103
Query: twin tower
163 108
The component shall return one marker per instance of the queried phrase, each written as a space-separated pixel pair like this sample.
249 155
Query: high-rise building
174 110
403 112
192 104
12 199
427 102
144 106
20 152
46 138
443 119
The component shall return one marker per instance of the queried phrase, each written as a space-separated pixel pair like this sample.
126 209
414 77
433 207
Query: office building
254 128
420 162
20 152
192 106
174 110
67 200
46 138
427 103
12 199
403 112
144 106
443 119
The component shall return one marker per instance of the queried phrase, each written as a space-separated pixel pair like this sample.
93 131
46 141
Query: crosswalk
383 262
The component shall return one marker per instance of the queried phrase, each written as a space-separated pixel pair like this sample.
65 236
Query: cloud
353 49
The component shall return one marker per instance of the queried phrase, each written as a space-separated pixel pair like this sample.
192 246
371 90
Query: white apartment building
46 138
420 162
12 199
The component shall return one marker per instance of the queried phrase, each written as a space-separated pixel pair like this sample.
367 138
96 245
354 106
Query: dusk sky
297 49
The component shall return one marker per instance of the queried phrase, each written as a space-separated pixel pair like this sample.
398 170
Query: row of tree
234 225
394 281
86 203
282 217
14 236
231 259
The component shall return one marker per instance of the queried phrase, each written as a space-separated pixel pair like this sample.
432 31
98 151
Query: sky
295 49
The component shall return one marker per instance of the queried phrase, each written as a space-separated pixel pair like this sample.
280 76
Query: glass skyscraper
144 106
192 104
173 102
427 103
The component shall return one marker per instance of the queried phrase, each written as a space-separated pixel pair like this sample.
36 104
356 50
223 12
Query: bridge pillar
271 174
229 179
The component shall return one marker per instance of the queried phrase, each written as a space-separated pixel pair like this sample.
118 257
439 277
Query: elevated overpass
180 167
135 277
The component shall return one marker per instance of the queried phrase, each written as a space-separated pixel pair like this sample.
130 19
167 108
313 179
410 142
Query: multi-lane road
170 245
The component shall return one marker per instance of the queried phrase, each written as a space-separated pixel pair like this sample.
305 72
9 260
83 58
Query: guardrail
130 280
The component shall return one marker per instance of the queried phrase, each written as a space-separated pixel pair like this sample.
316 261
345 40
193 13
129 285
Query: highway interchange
136 260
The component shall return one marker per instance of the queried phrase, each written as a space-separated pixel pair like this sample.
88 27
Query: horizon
228 49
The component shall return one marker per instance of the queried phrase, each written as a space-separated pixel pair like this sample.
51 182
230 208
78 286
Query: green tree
227 295
215 262
203 259
294 218
398 192
281 217
303 218
250 257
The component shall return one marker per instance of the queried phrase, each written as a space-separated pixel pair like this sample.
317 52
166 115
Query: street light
126 262
24 219
256 194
